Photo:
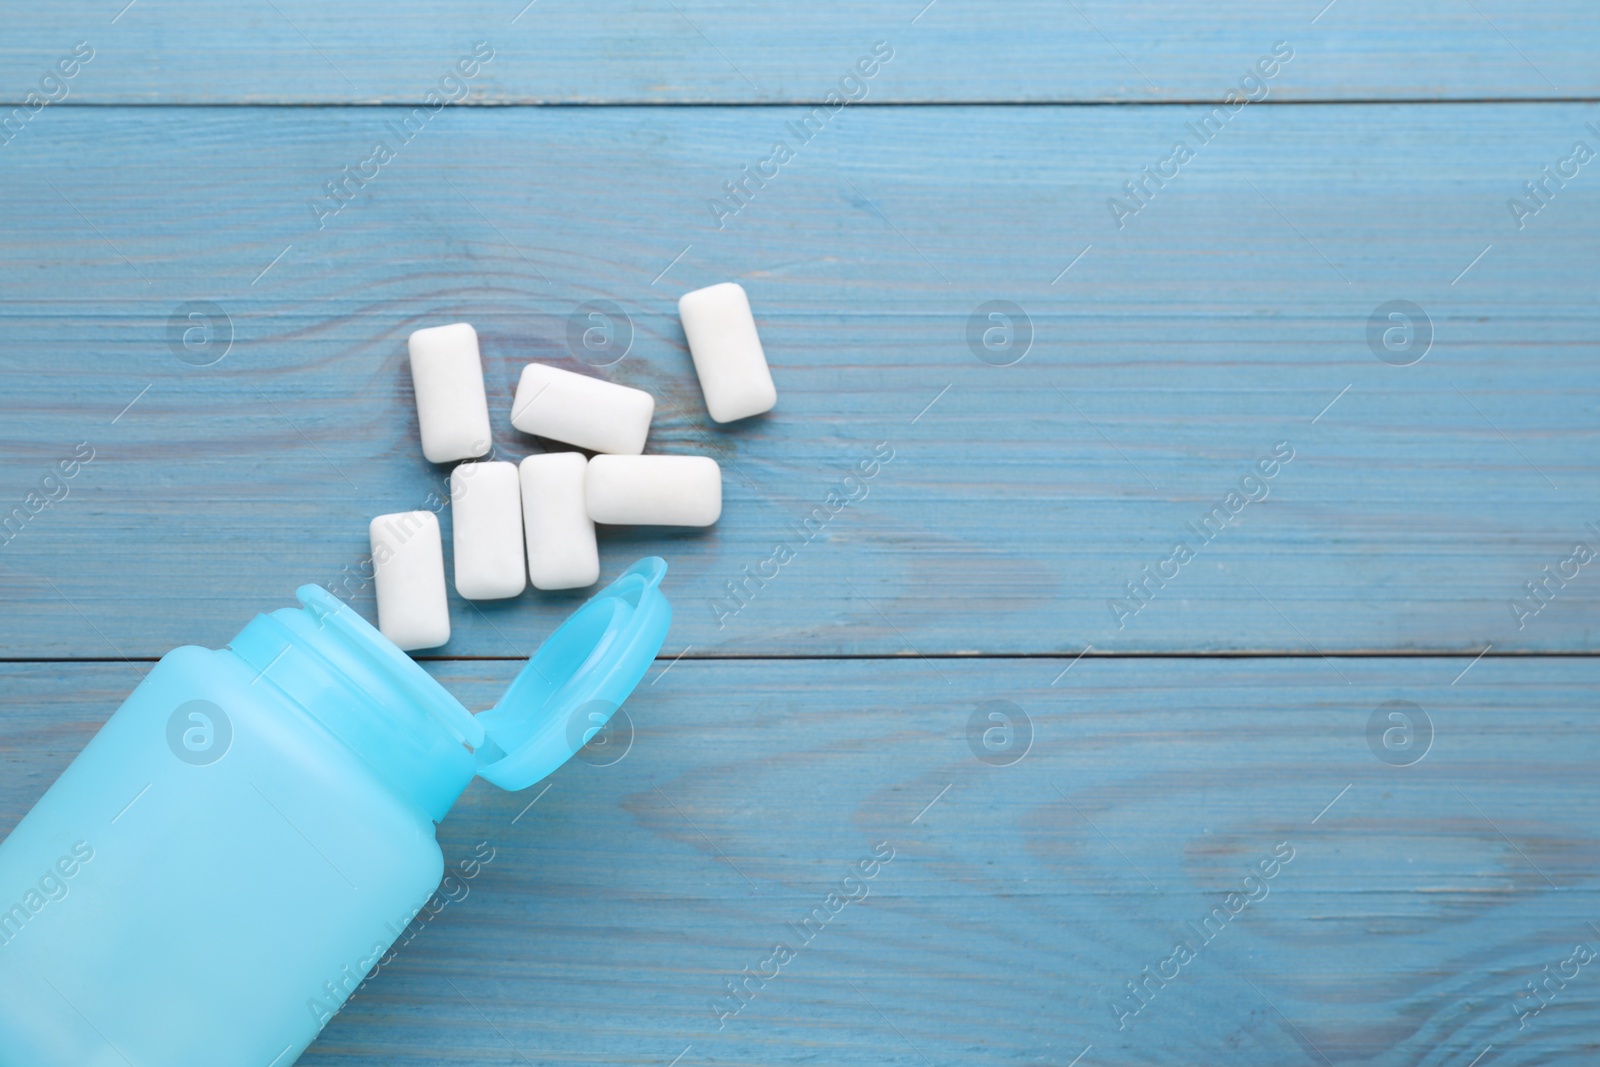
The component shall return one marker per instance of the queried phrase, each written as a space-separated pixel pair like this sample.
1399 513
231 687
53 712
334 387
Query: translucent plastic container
249 833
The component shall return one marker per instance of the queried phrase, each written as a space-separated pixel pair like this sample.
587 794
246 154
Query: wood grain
699 51
1230 314
1168 356
1020 898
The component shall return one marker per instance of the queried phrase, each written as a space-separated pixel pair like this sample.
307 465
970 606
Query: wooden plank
1228 315
1020 898
301 51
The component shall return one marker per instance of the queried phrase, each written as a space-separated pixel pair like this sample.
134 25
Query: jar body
206 883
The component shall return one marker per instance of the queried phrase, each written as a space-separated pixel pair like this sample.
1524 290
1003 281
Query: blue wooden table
1237 374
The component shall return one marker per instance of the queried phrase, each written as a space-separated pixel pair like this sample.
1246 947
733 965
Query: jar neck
344 674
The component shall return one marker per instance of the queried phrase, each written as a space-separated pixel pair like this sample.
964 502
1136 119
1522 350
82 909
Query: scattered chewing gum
578 410
486 516
727 352
447 376
654 490
562 553
408 566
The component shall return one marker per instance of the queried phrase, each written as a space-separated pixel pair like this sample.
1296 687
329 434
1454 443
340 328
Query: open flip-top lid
576 681
567 692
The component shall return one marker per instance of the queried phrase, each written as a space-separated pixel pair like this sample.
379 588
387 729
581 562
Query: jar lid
577 680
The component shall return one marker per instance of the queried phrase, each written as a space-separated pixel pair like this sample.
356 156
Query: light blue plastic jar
250 832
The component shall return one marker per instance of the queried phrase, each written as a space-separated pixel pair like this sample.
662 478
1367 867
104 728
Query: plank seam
864 105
